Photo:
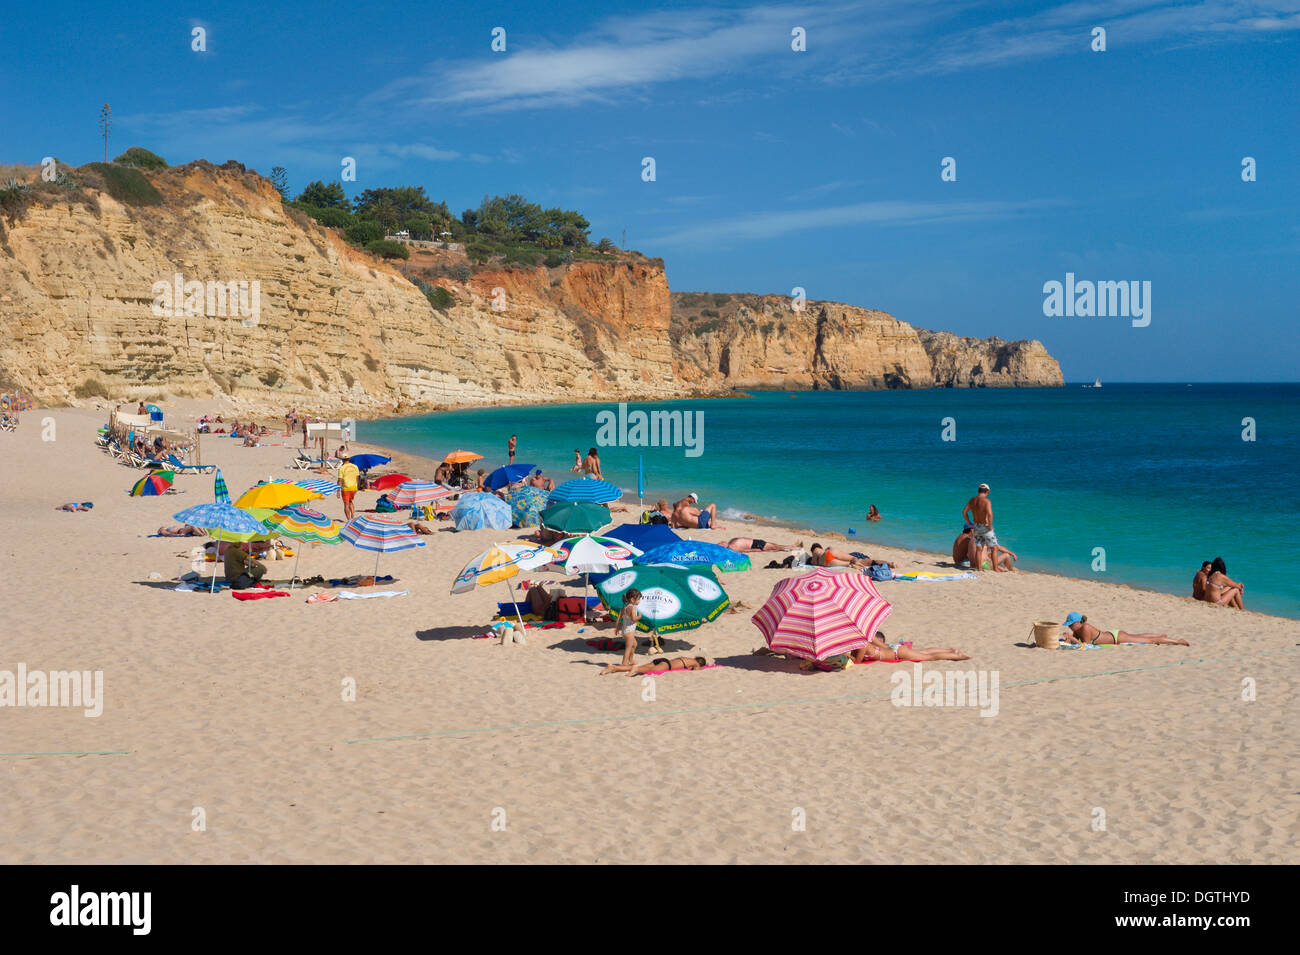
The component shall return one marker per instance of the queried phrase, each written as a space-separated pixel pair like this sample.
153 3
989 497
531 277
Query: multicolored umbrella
389 481
821 614
220 492
476 511
499 563
507 474
322 486
276 494
689 553
586 489
367 461
672 598
382 537
220 516
589 555
413 493
526 505
305 525
461 457
575 517
154 484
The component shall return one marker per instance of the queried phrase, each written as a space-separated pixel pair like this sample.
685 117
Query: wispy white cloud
777 224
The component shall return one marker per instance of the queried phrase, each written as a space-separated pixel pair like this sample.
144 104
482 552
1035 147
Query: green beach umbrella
575 517
672 598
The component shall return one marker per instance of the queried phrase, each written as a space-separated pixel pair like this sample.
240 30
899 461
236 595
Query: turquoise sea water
1157 475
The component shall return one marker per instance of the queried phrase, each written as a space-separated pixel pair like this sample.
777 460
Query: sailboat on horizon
1095 384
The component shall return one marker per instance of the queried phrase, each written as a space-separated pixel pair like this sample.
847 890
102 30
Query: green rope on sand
756 706
110 752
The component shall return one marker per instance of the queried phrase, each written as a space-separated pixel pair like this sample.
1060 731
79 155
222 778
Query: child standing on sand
625 627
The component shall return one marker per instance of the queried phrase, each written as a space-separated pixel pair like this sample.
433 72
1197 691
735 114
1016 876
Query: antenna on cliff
624 245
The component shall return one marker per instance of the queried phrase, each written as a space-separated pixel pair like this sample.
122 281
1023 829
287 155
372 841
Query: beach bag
881 572
570 610
799 559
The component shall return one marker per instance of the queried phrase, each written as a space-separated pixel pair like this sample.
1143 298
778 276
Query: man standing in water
978 512
510 447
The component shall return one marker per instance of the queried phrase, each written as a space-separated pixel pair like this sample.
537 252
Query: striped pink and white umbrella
821 613
412 493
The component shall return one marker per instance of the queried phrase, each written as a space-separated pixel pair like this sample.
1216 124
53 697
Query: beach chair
180 467
8 422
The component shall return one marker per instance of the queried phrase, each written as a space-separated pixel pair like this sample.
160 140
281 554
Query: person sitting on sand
1079 630
242 571
961 547
686 514
748 545
1222 589
657 665
872 513
1198 582
1004 557
181 530
820 556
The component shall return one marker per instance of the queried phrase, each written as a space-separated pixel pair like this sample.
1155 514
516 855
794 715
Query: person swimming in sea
1081 631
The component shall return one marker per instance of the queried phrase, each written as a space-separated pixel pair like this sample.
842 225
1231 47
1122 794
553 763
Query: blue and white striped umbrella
586 489
319 485
474 512
382 537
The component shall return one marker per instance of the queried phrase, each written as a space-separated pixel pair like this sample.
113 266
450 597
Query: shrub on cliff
439 297
91 388
142 158
125 184
388 249
364 232
332 217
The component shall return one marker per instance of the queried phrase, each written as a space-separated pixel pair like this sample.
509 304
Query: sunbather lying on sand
1081 631
825 557
657 665
74 506
181 530
747 545
420 527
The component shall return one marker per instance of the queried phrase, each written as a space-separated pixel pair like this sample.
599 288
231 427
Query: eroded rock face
339 331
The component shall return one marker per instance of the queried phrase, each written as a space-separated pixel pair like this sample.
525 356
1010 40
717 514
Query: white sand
236 708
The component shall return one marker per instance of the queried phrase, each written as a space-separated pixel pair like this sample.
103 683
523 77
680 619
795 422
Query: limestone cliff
340 331
988 362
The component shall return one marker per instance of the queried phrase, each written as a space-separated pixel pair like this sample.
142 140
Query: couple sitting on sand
686 513
1213 585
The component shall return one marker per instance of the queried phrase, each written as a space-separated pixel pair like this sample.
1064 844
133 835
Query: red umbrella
388 482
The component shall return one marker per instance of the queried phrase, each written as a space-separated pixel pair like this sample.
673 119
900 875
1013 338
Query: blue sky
775 168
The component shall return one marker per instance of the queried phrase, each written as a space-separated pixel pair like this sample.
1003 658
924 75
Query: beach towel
927 575
356 581
201 586
321 598
710 666
257 594
349 595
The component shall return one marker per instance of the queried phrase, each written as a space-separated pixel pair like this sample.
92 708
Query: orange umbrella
461 457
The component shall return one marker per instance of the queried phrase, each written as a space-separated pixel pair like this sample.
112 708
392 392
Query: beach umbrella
687 553
526 505
672 598
367 461
155 413
220 516
644 536
154 484
586 489
413 493
220 492
389 481
382 537
275 494
499 563
589 555
476 511
640 480
821 614
323 486
575 517
304 525
461 457
507 474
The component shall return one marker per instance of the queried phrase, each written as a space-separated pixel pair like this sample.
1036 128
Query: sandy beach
461 750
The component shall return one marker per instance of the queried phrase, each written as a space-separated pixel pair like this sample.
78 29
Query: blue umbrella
688 553
319 485
367 461
220 516
382 537
644 536
586 489
507 474
476 511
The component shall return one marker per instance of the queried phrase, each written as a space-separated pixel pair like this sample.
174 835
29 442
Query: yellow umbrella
275 495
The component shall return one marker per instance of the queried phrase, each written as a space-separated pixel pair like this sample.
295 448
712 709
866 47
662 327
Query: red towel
257 594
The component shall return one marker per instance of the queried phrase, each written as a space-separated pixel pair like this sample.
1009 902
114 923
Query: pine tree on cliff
105 124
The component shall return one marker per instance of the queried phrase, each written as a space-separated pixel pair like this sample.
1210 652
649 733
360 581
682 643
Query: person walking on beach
978 512
591 466
510 447
1079 630
349 481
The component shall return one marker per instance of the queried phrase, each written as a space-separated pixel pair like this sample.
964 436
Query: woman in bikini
658 665
825 557
1081 631
879 650
1222 589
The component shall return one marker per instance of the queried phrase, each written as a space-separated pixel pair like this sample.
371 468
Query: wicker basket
1047 634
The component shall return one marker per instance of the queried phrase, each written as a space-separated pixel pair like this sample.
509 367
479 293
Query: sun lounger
179 466
304 463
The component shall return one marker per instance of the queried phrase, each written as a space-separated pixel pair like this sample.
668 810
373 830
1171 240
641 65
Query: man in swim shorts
747 544
686 514
978 512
